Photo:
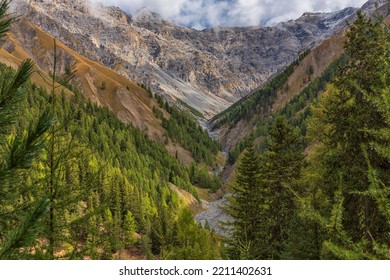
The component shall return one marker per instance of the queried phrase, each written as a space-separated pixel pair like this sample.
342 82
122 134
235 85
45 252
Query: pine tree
190 240
129 229
379 188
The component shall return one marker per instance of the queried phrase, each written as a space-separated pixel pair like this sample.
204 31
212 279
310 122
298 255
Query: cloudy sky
211 13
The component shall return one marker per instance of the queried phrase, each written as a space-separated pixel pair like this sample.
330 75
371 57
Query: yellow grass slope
129 102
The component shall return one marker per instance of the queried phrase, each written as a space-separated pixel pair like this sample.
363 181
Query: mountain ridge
209 69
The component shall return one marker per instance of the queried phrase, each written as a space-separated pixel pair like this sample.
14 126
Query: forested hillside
183 128
332 200
297 111
105 182
77 183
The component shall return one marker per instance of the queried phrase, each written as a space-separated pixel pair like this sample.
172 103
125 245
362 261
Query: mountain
209 69
127 100
131 103
240 120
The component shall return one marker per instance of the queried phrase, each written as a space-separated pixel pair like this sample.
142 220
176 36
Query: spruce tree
243 207
280 169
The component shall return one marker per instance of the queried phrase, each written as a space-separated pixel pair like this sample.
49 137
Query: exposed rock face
207 69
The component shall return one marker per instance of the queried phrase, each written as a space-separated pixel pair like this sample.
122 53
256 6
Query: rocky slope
312 66
209 69
105 87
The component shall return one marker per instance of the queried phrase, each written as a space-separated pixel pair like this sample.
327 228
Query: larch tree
342 130
20 147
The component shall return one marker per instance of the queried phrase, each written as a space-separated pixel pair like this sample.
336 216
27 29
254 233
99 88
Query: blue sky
211 13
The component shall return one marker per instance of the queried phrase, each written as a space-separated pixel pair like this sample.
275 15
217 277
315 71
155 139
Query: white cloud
202 13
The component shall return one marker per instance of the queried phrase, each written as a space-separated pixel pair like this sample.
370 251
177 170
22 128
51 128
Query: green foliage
94 187
262 205
11 94
129 228
20 147
201 177
244 208
17 240
192 242
110 184
351 173
5 19
280 170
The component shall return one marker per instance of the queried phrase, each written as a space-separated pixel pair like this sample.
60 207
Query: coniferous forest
326 196
312 181
78 183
